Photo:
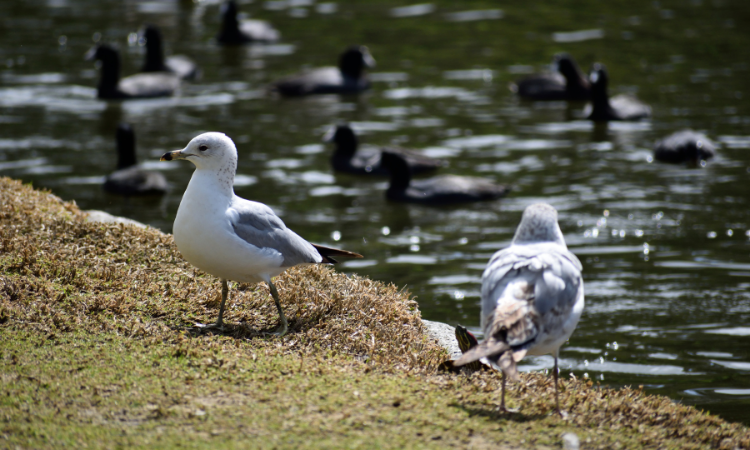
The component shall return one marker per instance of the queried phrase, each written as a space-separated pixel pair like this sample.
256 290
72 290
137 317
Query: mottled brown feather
485 348
511 322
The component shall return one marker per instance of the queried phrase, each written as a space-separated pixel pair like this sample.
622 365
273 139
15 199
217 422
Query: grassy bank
99 350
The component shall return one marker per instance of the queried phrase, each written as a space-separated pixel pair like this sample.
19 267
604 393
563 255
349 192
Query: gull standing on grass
230 237
532 297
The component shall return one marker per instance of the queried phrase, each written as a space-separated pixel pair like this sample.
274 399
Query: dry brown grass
356 364
71 275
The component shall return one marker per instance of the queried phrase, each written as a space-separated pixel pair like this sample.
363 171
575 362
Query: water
666 249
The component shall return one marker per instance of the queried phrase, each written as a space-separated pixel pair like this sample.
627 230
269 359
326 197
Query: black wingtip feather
328 253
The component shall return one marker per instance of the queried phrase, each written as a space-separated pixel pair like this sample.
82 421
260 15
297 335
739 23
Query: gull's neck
540 237
538 230
211 187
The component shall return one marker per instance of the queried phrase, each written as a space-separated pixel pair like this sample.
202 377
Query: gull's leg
503 408
284 327
502 396
224 295
562 413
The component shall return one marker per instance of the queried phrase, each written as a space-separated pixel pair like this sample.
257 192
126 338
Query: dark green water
666 249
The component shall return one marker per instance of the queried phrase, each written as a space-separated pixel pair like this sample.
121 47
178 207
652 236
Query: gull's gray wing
256 224
554 271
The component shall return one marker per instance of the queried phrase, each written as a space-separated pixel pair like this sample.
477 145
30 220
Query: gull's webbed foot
281 331
218 326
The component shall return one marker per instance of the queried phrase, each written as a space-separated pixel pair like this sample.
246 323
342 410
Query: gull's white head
539 224
208 151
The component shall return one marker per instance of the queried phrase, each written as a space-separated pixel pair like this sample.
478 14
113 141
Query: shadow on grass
494 413
237 331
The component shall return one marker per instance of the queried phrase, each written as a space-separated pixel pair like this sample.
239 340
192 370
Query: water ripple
737 365
736 331
470 142
481 14
413 10
455 279
411 259
432 92
578 36
702 265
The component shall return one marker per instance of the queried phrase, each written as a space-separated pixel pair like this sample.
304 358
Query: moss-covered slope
99 349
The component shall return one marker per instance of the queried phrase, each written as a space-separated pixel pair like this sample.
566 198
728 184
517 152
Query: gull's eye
203 148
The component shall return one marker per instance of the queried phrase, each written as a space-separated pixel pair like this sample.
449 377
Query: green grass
98 350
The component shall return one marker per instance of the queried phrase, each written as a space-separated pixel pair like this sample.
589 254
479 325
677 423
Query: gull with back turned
230 237
532 297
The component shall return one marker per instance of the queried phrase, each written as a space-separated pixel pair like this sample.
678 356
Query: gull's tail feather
328 253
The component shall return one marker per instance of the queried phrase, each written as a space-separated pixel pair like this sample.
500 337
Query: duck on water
348 157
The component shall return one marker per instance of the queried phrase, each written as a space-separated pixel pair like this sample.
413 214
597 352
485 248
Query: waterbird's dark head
354 60
567 66
344 138
102 52
599 77
151 35
228 12
399 169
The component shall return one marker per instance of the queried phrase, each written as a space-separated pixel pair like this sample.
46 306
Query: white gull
532 297
230 237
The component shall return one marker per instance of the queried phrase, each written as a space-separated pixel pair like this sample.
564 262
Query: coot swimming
236 32
347 158
348 78
439 190
621 107
129 178
568 83
180 65
684 146
142 85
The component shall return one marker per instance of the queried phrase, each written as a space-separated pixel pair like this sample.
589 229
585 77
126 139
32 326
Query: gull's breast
207 240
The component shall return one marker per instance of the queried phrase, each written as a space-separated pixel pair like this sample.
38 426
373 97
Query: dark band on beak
171 156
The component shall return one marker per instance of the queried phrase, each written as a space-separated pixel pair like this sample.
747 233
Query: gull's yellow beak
170 156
